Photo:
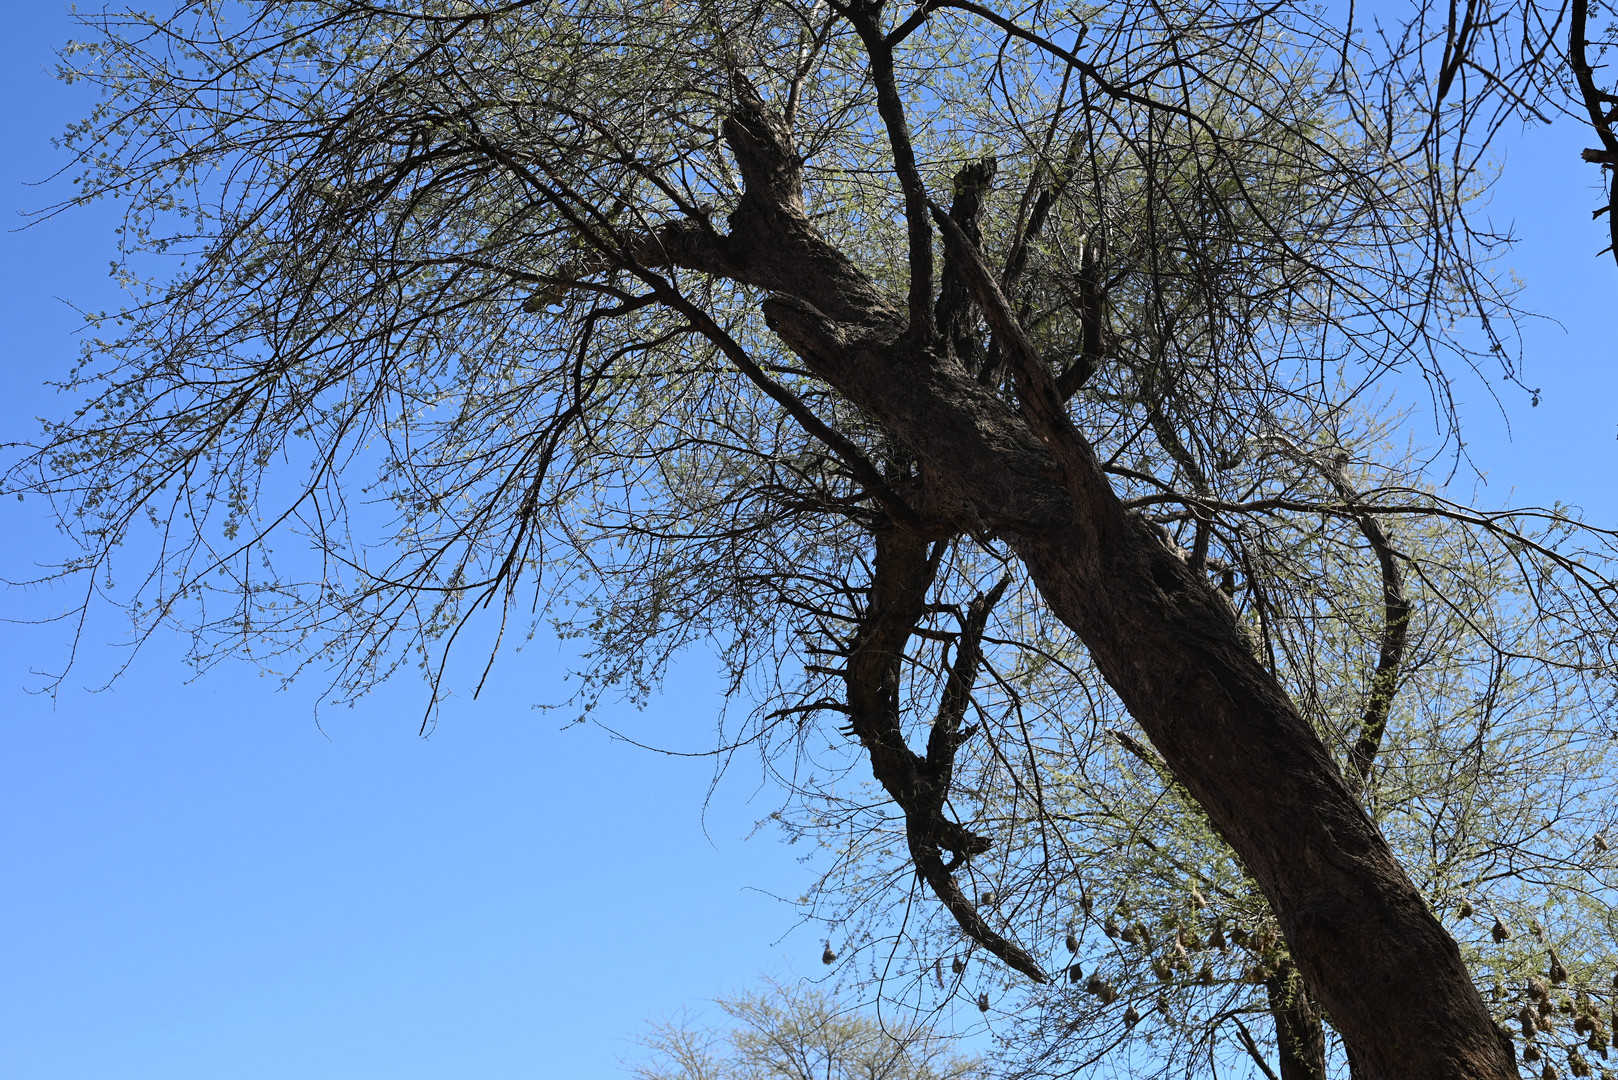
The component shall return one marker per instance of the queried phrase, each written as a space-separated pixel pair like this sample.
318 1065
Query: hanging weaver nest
1558 973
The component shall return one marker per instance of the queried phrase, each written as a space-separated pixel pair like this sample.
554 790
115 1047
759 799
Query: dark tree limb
1595 104
863 14
903 571
954 313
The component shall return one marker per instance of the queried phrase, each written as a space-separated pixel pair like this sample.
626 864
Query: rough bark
1377 959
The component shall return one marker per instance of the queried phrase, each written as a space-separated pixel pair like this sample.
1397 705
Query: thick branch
1594 102
890 106
954 311
896 601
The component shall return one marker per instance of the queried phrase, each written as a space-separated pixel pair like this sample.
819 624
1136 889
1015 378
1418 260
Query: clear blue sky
196 881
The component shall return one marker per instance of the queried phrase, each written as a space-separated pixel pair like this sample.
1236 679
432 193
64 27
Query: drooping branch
903 570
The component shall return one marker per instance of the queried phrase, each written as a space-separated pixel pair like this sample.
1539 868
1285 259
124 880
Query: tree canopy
782 1032
970 377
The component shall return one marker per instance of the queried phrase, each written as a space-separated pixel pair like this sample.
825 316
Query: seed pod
827 956
1131 1017
1558 973
957 965
1500 932
1110 927
1071 942
983 1003
1466 910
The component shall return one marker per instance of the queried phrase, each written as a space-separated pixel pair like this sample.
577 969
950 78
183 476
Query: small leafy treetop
791 1032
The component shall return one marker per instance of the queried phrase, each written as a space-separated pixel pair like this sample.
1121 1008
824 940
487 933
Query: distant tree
791 1032
820 331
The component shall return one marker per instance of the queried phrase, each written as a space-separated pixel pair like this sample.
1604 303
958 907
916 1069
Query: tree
650 308
1479 756
788 1032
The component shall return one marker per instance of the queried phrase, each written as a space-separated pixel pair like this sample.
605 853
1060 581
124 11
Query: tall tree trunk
1170 647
